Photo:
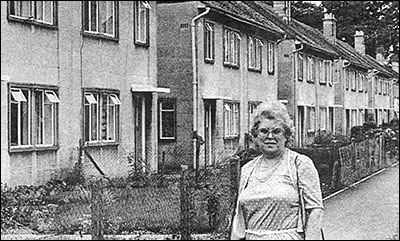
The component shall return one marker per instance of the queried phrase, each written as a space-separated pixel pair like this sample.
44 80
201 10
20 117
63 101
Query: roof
297 30
240 10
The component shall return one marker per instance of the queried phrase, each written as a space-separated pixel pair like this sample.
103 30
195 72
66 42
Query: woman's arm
314 223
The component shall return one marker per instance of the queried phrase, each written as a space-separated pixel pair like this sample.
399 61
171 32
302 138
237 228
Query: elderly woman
268 205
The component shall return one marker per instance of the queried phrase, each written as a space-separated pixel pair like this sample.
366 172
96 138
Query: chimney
359 42
330 27
380 55
283 9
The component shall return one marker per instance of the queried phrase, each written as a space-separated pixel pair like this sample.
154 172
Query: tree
379 20
308 13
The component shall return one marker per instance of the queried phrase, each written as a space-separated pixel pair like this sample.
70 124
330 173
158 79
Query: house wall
175 71
214 80
64 58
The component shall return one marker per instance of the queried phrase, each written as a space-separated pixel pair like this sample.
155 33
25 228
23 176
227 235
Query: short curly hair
273 110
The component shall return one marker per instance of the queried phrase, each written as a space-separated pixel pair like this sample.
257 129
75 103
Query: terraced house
219 60
306 73
74 71
366 87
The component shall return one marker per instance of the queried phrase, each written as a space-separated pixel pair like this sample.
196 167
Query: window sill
100 36
231 66
33 149
271 72
100 144
209 61
231 137
31 22
310 81
255 70
141 44
324 83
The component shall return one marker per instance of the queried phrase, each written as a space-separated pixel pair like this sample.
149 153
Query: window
141 22
271 57
384 88
300 67
231 48
327 72
100 17
46 117
380 90
252 106
322 118
311 70
101 118
364 80
167 119
347 78
42 122
254 53
42 12
353 80
360 82
317 71
311 118
231 119
209 42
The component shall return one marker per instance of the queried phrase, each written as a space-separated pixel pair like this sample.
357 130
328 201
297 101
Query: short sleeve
310 183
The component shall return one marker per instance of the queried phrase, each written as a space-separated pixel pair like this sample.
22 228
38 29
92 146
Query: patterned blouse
268 209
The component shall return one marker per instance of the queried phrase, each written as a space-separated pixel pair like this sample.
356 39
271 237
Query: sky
315 2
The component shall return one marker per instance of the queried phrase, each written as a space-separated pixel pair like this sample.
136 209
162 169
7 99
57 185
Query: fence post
97 212
185 204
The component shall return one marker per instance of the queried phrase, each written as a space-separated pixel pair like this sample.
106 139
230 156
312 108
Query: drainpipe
195 83
294 84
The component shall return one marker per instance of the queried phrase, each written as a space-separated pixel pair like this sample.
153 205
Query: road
366 211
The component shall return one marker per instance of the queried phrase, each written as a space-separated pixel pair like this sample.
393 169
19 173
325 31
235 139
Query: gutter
195 83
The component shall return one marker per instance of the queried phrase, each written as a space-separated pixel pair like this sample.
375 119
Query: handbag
302 208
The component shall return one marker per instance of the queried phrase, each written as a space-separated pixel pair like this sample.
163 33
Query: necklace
263 174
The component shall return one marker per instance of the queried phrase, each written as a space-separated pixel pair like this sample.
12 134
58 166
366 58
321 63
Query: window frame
100 102
209 42
32 117
254 53
300 67
231 47
271 58
160 119
34 19
137 23
231 114
86 25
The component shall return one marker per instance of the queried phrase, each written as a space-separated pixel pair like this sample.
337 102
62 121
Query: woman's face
271 137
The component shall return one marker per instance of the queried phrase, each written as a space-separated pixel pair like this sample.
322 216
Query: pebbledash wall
69 61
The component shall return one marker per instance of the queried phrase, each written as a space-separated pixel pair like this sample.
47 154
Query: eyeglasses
275 132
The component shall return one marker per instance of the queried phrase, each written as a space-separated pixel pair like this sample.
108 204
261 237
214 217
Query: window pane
48 123
21 8
104 118
39 116
93 126
14 123
39 10
93 16
111 122
168 105
48 11
25 120
87 122
168 124
106 17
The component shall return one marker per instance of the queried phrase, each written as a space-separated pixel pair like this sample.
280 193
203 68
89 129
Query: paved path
366 211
